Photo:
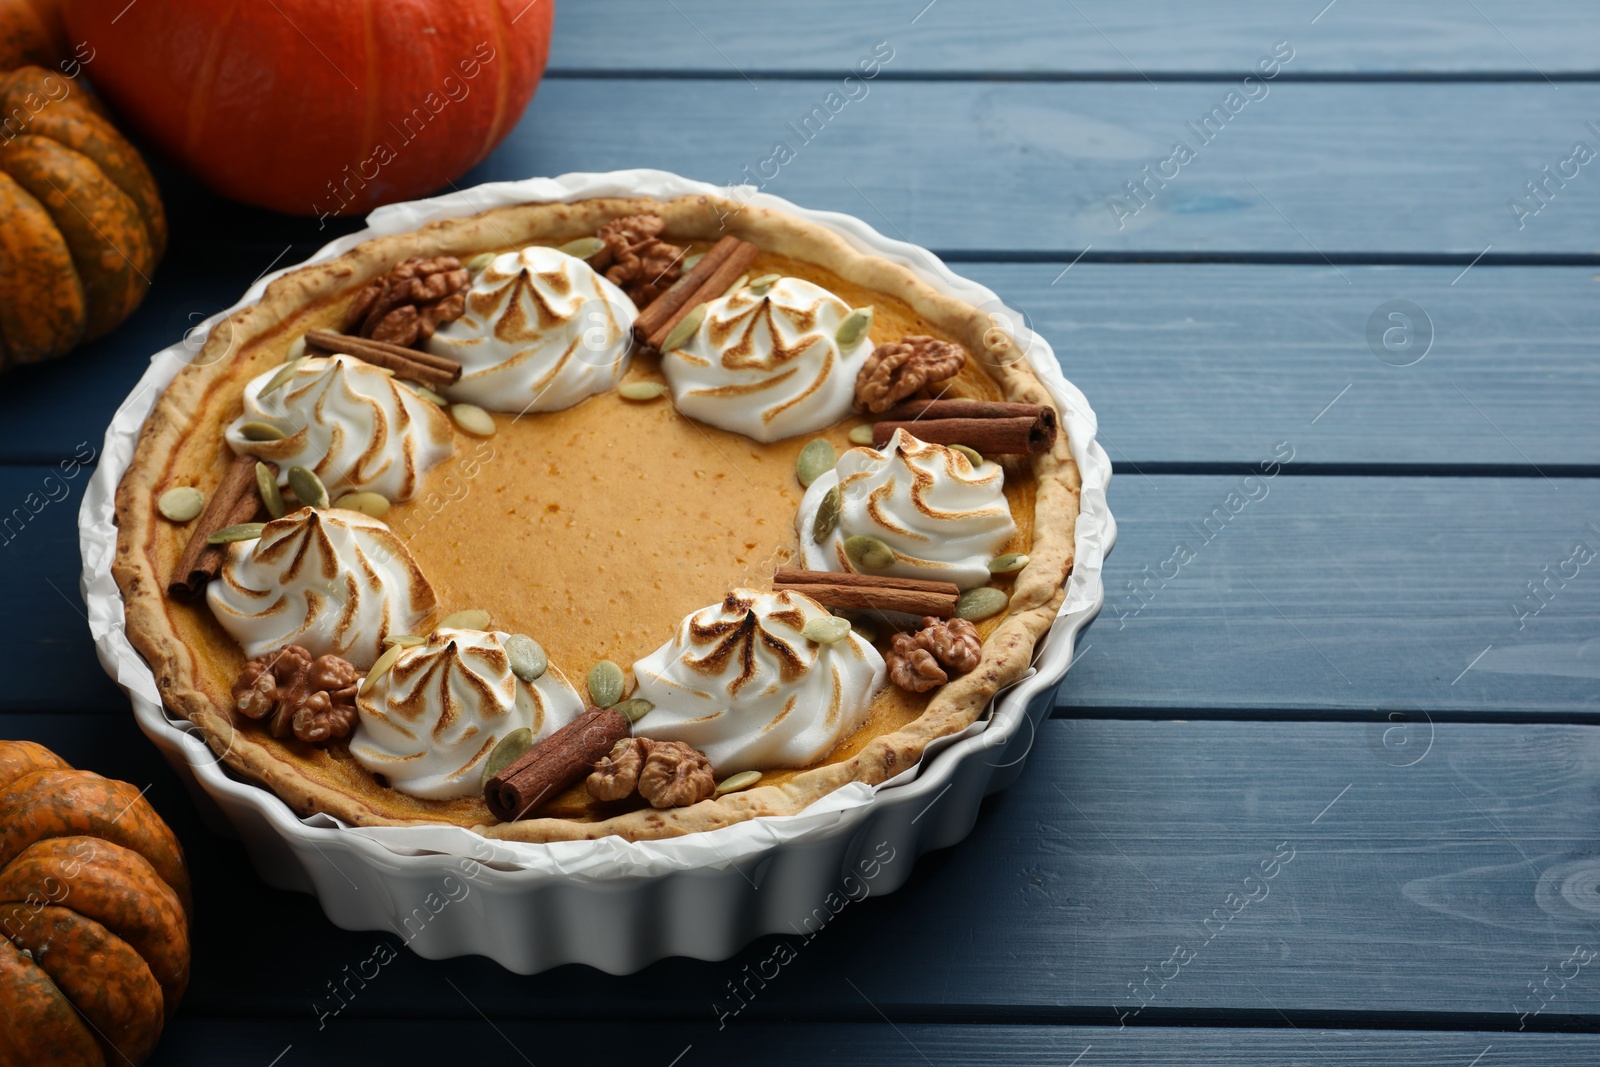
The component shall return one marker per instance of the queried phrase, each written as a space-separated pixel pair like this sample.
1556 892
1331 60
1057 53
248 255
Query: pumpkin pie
786 527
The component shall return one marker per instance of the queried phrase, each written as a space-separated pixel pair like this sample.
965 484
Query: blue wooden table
1377 677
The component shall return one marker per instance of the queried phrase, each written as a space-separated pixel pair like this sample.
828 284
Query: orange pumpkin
81 223
30 32
94 915
318 108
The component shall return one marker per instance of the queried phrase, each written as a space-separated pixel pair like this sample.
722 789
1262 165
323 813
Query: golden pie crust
594 529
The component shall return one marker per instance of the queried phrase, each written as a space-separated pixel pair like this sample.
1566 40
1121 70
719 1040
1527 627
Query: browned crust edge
1036 595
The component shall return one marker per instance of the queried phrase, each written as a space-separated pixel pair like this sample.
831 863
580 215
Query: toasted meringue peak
429 723
767 365
352 423
542 331
740 683
943 518
332 581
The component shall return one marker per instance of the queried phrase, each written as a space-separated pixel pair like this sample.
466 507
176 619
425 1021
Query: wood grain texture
254 1042
1432 879
1334 592
1323 596
44 621
1348 170
1413 893
1088 37
1187 365
1195 364
1306 170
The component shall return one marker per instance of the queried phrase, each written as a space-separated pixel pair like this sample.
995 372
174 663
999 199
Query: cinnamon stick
908 410
795 576
554 763
1021 436
718 282
914 596
234 500
663 307
436 372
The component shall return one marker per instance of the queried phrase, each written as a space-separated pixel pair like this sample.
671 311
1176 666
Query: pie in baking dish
623 516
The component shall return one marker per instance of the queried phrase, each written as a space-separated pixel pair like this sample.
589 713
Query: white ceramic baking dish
613 904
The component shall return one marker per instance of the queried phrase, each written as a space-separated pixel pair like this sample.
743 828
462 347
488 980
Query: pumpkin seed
245 531
827 515
605 683
736 286
868 552
380 668
373 504
285 372
428 394
507 750
472 419
680 334
980 603
181 504
734 783
861 435
297 349
1010 563
261 431
308 488
583 247
816 459
690 261
479 262
854 327
267 489
826 629
527 657
634 709
466 619
642 390
759 286
404 640
973 455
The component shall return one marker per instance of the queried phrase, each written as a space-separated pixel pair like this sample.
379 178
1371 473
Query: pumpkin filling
612 553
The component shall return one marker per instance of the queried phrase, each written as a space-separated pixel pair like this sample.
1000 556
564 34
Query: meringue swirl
742 685
431 721
351 423
334 582
768 366
541 332
943 518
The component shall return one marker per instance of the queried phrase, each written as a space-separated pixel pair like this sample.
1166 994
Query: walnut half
315 699
669 774
920 661
616 776
675 775
405 305
896 370
636 260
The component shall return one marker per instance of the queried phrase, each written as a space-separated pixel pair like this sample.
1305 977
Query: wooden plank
43 624
1201 363
1302 171
253 1042
1346 593
1089 37
1405 894
1036 167
1324 595
1188 366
